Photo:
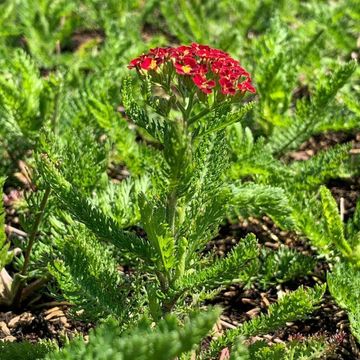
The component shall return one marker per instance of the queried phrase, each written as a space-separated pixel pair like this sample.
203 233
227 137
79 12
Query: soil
53 321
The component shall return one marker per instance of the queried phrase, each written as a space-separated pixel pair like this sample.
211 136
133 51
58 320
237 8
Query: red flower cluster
207 67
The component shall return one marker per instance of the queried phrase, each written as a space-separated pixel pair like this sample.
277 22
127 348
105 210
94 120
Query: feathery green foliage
256 200
86 213
167 341
5 255
26 350
344 279
344 285
69 110
240 265
335 229
310 349
309 115
282 265
89 276
292 306
22 96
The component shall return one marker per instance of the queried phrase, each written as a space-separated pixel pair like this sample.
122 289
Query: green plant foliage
26 350
22 95
309 114
344 281
167 341
154 126
312 348
321 167
256 200
81 158
324 227
121 201
276 76
353 226
283 265
5 255
134 248
252 157
334 225
86 213
89 277
45 35
292 306
206 197
240 265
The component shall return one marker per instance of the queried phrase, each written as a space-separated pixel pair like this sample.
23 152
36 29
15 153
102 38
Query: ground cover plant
180 180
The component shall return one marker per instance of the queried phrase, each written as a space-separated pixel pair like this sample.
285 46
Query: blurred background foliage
62 61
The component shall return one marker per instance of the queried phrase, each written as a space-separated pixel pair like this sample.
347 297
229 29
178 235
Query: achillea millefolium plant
198 146
190 96
187 199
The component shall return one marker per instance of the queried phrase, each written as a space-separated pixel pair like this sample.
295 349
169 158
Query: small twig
227 325
225 354
342 208
354 151
13 230
53 304
35 285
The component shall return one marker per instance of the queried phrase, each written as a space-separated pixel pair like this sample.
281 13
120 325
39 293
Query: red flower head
210 69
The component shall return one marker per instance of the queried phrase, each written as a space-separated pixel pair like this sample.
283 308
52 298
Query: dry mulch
325 141
31 325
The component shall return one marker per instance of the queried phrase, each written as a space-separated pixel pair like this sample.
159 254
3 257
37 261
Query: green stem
34 231
169 305
172 197
34 286
55 115
199 116
32 237
189 107
204 113
171 210
164 285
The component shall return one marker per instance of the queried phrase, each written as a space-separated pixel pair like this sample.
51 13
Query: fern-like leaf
165 342
334 224
292 306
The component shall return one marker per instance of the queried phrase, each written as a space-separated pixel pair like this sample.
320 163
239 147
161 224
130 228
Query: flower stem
189 106
34 231
171 210
32 237
204 113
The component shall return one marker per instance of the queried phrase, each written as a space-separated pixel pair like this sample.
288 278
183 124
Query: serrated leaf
334 224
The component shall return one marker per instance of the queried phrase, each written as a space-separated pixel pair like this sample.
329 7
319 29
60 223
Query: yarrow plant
145 251
191 95
195 90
